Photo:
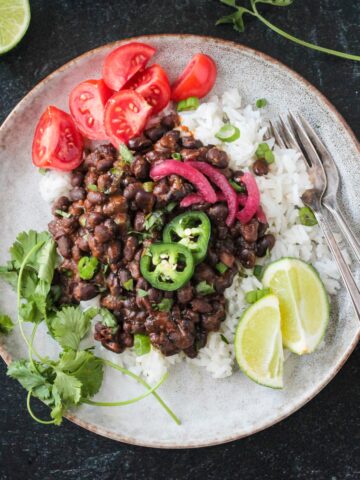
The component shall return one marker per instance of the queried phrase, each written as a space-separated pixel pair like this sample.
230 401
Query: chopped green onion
87 267
141 293
164 306
148 186
255 295
237 187
125 154
191 103
224 339
221 267
63 214
42 171
92 187
141 344
204 288
261 102
176 156
228 133
129 284
258 271
82 221
116 172
170 207
307 217
264 152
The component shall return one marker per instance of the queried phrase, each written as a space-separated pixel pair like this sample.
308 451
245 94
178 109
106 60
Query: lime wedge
258 345
304 304
14 21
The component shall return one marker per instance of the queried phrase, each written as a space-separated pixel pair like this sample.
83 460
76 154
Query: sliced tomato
57 143
153 84
126 114
87 103
196 80
122 63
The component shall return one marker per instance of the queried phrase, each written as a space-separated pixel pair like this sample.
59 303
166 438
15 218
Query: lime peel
14 22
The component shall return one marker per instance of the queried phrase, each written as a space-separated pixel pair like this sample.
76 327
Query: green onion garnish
129 284
63 214
42 171
237 187
176 156
148 186
228 133
261 102
141 293
141 344
204 288
258 271
92 187
255 295
307 217
164 306
87 267
224 339
125 154
221 267
264 152
191 103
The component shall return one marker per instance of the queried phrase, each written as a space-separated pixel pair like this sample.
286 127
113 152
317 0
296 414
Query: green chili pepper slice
167 266
191 229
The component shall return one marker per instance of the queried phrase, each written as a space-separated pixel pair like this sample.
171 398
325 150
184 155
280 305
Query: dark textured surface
322 440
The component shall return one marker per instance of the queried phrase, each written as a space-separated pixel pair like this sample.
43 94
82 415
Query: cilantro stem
32 414
127 402
146 385
32 350
286 35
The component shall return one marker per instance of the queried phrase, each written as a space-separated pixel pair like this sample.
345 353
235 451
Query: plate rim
252 52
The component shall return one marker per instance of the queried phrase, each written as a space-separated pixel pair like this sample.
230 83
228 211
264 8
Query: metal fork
296 137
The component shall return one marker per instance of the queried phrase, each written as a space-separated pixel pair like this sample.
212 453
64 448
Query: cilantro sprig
76 375
237 20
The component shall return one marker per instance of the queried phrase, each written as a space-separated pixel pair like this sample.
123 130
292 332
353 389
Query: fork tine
291 141
277 135
314 137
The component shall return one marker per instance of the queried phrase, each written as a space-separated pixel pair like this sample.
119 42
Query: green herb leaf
71 324
69 387
307 217
47 261
221 267
176 156
42 171
87 267
224 339
154 220
63 214
142 344
6 324
129 284
164 306
125 154
204 288
255 295
24 242
170 207
237 187
26 374
108 319
258 271
141 293
261 103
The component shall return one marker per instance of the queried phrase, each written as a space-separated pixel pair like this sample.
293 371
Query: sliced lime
14 21
258 345
304 303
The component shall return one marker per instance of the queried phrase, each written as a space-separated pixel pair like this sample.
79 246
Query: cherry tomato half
87 103
123 62
126 113
196 80
153 85
57 143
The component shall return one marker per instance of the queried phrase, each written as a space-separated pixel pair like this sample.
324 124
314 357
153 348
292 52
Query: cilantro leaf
9 275
28 377
204 288
68 386
164 306
71 324
47 260
25 241
6 324
108 319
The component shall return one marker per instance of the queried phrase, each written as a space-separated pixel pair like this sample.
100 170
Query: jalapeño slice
167 266
191 229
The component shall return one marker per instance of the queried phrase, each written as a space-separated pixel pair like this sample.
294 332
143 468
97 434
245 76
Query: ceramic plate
212 411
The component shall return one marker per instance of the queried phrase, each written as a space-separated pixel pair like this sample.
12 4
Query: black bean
260 167
247 258
114 251
185 294
140 143
96 198
139 221
130 247
237 176
61 203
64 245
250 231
85 291
124 275
265 244
77 193
155 296
227 258
170 121
116 204
102 234
104 164
218 212
76 179
93 219
262 229
155 133
168 143
82 243
205 272
140 168
154 156
131 190
217 157
145 200
200 305
189 154
189 141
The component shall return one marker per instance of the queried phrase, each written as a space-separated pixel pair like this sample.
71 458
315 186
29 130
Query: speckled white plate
212 411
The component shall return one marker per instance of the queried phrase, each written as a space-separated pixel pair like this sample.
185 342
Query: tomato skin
57 143
153 84
87 103
126 114
196 80
122 63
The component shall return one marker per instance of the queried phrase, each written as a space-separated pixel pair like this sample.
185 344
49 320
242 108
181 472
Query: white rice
281 193
53 184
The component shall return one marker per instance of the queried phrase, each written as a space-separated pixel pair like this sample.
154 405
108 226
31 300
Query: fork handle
348 234
339 258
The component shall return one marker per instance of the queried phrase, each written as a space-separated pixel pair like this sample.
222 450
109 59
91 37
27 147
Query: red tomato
123 62
153 85
87 103
126 113
57 143
196 80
